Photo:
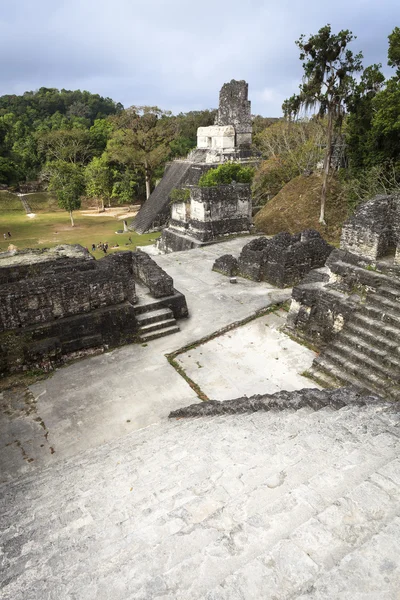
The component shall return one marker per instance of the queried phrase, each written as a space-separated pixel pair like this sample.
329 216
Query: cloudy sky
177 53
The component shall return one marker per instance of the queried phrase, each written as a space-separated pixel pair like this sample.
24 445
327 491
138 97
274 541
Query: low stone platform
283 504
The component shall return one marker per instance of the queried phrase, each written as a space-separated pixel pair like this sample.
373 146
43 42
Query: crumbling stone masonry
211 213
59 303
282 260
350 308
374 230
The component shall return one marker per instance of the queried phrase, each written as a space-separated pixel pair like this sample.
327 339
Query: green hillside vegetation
296 207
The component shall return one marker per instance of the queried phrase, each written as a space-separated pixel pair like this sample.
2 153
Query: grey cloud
176 54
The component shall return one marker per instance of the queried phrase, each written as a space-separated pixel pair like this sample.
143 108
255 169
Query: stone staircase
155 321
366 352
285 504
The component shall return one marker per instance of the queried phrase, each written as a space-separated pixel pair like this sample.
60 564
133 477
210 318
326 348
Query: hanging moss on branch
225 174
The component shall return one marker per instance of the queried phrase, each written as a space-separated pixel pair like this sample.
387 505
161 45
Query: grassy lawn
48 229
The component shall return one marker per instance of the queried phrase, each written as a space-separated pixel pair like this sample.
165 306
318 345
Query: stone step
323 378
154 316
390 292
350 370
377 278
384 303
328 370
376 313
373 356
368 332
175 516
153 335
356 363
156 325
372 325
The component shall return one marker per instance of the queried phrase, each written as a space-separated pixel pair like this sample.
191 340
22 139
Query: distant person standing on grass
5 236
9 234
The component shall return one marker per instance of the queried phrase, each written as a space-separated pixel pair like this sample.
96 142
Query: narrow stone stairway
279 504
366 352
156 322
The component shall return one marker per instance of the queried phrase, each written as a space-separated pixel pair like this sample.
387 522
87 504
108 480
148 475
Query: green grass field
53 227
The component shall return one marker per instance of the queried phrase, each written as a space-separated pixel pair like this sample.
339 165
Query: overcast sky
177 53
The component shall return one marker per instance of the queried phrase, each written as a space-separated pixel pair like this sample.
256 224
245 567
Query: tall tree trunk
327 166
72 219
147 177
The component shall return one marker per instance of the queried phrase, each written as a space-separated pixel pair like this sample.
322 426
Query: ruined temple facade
232 130
229 139
61 303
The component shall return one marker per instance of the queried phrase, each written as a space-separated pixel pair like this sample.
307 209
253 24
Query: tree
328 67
99 179
68 145
394 50
359 121
142 139
67 182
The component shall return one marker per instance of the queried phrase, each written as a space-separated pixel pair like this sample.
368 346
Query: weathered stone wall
219 210
148 272
43 299
373 229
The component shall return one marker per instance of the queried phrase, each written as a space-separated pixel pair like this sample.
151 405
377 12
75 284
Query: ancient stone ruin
374 231
210 213
229 139
282 260
350 307
61 303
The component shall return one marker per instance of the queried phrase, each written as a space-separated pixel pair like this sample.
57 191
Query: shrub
179 195
225 174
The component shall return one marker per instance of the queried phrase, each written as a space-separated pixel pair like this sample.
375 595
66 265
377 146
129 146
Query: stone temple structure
61 303
229 139
350 307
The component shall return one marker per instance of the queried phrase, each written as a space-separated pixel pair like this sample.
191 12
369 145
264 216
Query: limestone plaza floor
120 503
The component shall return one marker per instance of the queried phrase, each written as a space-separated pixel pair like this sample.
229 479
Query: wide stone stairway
276 505
366 352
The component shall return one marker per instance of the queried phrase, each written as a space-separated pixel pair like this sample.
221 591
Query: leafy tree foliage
361 113
25 119
69 145
67 182
99 179
328 68
373 128
187 125
142 139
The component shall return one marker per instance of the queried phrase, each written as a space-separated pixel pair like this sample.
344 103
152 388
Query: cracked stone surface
279 505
